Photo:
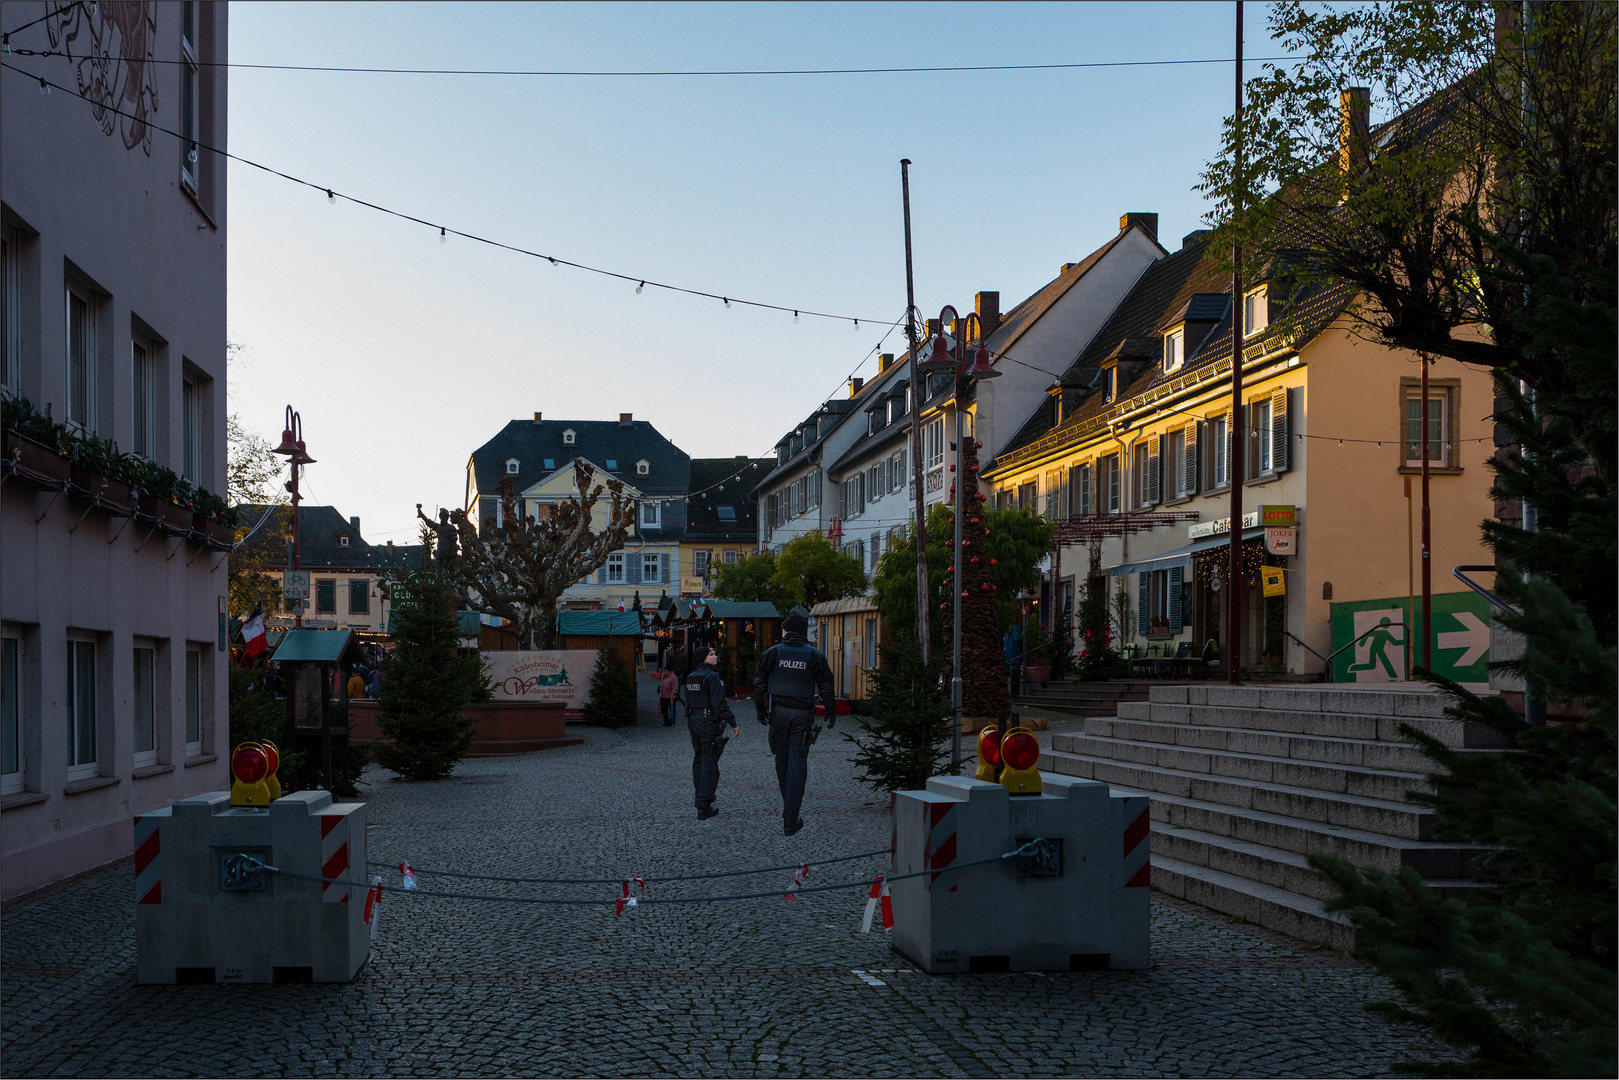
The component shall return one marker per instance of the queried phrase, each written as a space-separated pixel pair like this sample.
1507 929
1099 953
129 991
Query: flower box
1037 672
214 534
33 463
90 486
174 519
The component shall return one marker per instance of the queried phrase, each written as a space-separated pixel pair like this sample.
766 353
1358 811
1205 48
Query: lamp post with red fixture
942 361
292 445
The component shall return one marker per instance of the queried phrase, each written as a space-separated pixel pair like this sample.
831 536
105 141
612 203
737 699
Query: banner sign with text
551 676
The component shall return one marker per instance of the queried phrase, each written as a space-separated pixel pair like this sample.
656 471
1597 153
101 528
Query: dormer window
1174 348
643 467
342 539
511 466
569 437
1110 384
1255 312
649 515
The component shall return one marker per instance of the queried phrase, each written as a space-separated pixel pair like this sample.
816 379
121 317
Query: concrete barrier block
190 925
991 918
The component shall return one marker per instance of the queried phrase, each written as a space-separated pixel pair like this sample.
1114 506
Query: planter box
499 727
113 496
33 463
174 519
215 535
1037 672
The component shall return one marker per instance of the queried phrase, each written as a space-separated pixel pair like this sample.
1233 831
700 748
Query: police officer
788 679
706 711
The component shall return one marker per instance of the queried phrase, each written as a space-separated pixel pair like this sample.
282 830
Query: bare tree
518 570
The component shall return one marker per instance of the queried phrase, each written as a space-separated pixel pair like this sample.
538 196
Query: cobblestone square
737 988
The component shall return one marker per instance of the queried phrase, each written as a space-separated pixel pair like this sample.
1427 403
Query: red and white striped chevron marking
1137 815
334 856
148 860
941 846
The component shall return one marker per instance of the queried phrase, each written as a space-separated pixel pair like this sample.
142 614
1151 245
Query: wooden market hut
849 632
595 630
743 630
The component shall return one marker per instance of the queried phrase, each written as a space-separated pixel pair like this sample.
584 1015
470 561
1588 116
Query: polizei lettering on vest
800 665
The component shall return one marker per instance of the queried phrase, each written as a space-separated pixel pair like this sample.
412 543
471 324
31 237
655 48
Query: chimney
854 386
1354 127
626 418
933 331
354 523
1148 223
988 306
1194 237
536 417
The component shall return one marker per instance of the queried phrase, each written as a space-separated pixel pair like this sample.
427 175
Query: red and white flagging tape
798 879
625 900
879 894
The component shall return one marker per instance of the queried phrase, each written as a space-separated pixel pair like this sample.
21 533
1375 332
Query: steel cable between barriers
255 863
418 871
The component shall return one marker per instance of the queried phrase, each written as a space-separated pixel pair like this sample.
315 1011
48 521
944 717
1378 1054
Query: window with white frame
11 712
801 494
191 430
1255 312
1110 384
896 471
1082 498
650 515
875 551
1260 415
933 443
81 358
512 466
1174 349
568 437
1218 455
188 94
651 567
143 404
1438 428
731 556
1109 481
1053 509
1140 486
643 468
193 692
615 568
81 708
699 563
1028 495
144 694
10 312
1175 465
877 480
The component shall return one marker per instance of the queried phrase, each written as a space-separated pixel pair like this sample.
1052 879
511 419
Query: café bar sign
1271 517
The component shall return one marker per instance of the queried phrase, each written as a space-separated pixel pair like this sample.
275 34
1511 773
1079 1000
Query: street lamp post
941 361
292 445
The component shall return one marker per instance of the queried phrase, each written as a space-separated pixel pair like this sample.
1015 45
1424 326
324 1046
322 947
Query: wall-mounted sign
1278 517
1282 541
1272 581
1250 520
692 585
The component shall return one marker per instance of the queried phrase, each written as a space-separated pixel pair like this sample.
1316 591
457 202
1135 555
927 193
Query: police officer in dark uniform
706 712
788 679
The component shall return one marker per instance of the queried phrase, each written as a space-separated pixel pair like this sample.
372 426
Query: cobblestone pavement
741 988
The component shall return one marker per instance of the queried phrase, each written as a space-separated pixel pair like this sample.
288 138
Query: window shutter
1279 431
1142 601
632 571
1155 472
1190 470
601 574
1175 576
664 565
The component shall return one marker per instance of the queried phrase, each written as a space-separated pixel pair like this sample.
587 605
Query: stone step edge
1282 855
1336 923
1378 714
1359 836
1288 789
1235 754
1196 709
1282 735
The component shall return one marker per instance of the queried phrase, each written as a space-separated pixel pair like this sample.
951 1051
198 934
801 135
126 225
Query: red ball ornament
964 594
993 562
983 586
944 607
949 543
978 446
974 466
952 468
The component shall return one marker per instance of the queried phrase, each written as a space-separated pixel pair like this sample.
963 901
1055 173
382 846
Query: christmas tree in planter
905 739
983 664
612 694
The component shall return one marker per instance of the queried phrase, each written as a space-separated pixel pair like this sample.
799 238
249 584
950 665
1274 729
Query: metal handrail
1327 660
1479 568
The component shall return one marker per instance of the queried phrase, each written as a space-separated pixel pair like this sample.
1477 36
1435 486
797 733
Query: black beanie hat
795 624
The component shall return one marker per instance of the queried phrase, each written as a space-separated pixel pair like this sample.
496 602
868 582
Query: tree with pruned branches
519 569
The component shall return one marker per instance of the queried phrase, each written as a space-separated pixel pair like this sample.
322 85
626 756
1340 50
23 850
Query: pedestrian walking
668 689
356 685
707 713
786 682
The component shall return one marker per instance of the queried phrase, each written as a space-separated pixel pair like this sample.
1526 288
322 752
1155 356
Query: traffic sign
295 584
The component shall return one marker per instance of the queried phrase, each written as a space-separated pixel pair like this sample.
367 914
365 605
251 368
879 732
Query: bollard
1079 901
203 913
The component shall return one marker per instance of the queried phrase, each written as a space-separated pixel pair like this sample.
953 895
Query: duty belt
790 702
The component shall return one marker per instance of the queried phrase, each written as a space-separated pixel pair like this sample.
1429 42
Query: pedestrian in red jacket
668 688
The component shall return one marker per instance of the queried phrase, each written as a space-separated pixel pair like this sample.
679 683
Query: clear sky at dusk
403 354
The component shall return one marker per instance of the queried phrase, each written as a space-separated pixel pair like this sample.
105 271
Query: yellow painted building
1331 426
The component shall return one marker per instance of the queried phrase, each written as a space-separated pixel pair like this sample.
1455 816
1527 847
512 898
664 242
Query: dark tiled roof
721 482
883 438
1202 307
320 547
532 442
839 407
1015 322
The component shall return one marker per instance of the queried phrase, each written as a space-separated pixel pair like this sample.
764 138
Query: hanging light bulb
795 316
443 237
857 324
191 155
727 300
330 197
639 287
44 87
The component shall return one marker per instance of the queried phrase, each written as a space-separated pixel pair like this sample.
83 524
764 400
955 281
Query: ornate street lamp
297 454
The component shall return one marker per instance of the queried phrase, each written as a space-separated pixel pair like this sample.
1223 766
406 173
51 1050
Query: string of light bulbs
445 232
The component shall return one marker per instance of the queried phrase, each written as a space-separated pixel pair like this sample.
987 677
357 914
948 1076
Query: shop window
1159 605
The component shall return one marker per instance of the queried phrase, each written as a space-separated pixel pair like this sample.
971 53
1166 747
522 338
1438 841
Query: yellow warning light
989 754
1020 751
249 766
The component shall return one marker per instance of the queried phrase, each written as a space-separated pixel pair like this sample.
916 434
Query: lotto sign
295 584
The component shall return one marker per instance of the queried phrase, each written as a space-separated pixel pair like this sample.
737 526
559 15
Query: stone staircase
1074 698
1246 782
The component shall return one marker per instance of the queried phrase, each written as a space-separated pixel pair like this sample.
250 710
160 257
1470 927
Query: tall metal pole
1237 429
1427 536
916 423
956 580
